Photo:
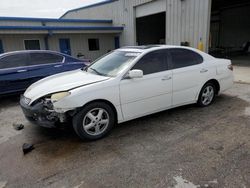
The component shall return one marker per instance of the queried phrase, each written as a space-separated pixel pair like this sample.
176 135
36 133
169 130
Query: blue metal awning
108 28
55 20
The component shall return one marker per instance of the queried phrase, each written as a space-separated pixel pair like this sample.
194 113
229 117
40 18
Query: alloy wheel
96 121
207 95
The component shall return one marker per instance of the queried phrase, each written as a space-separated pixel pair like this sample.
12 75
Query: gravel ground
183 147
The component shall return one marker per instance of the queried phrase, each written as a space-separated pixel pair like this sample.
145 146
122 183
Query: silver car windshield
112 63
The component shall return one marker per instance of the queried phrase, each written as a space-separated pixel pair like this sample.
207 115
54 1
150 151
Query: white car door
188 74
152 92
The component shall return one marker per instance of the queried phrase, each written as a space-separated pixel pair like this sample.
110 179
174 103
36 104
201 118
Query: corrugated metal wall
16 42
78 43
122 12
13 39
186 20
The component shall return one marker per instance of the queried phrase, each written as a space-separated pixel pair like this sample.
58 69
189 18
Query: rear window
71 59
184 58
44 58
15 60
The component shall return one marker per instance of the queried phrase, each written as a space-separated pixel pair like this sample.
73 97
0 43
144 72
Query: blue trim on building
54 20
61 28
88 6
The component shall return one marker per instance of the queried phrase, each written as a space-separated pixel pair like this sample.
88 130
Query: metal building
76 37
154 21
221 26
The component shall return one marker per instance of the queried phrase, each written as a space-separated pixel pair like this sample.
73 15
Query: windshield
112 64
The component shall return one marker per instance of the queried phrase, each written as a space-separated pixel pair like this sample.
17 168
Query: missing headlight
48 104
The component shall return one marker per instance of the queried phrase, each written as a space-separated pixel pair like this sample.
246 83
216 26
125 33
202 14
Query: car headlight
58 96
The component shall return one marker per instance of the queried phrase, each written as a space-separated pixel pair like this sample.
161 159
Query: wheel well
216 83
104 101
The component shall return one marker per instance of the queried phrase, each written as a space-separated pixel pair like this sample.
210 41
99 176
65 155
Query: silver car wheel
96 121
207 95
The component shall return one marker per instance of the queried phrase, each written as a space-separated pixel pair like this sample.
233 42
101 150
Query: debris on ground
18 126
217 148
27 148
3 184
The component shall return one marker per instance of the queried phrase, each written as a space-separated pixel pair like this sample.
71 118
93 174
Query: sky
40 8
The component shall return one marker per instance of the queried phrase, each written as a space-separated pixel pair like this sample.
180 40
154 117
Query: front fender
81 96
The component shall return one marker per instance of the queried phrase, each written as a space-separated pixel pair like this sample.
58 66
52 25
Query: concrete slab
183 147
242 74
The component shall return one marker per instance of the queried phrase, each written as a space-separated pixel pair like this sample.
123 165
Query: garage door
151 8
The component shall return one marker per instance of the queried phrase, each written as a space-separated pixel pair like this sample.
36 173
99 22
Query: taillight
230 67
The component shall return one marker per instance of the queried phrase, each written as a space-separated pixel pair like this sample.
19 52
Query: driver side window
153 62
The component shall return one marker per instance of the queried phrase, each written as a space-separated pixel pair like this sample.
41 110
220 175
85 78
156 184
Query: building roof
62 28
51 25
89 6
54 20
24 25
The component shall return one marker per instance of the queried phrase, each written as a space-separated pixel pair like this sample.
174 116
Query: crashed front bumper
39 114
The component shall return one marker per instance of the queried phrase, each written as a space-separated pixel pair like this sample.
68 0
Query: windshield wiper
96 71
85 68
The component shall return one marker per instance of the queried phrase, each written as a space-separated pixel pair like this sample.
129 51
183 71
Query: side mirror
135 74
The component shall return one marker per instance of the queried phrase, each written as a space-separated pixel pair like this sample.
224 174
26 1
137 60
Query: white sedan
125 84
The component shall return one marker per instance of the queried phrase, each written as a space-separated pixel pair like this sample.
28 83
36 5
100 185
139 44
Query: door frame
1 47
161 74
117 42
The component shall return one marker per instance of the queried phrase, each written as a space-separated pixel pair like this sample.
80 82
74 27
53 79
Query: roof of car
35 51
144 47
138 49
39 51
148 48
27 51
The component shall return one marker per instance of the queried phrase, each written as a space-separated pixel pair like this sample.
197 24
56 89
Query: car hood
61 82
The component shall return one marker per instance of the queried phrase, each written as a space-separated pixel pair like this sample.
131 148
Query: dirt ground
183 147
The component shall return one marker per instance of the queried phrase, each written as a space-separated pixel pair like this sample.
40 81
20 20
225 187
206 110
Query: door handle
23 70
166 78
56 66
203 70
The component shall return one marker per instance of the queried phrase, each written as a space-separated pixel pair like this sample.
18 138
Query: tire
94 121
207 95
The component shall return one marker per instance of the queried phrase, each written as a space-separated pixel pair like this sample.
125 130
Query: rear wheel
207 94
94 122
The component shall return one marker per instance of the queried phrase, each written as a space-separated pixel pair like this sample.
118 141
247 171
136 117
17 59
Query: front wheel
94 122
207 95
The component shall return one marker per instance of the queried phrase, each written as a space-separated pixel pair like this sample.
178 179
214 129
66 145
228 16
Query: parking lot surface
183 147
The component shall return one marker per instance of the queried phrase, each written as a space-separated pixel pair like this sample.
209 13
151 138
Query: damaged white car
125 84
